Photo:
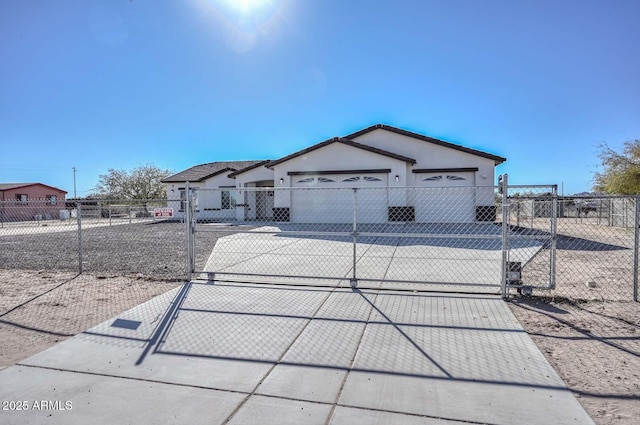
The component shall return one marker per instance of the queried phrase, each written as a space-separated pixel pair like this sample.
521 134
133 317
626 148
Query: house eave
497 159
343 141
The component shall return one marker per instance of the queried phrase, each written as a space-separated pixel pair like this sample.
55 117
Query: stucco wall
336 156
257 174
429 155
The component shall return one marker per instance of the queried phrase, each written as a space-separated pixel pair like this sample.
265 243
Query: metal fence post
636 245
79 220
505 234
188 230
354 278
554 237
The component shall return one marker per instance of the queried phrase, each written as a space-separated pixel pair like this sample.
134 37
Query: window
307 180
455 178
22 198
351 179
432 179
51 199
183 199
372 179
325 180
225 198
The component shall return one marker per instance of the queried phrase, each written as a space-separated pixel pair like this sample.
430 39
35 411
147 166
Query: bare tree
621 173
142 183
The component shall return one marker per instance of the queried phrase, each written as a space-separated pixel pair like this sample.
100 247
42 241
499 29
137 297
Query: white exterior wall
257 174
209 200
249 179
430 155
336 156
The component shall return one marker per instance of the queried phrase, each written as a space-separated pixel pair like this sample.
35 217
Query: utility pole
74 183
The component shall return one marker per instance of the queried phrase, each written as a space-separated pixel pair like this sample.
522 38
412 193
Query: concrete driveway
222 353
464 257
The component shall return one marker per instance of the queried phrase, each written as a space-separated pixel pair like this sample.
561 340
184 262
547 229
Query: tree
621 174
141 183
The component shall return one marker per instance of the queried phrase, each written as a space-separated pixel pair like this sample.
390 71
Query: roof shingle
202 172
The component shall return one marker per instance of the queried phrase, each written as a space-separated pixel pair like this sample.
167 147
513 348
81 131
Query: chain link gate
440 238
529 219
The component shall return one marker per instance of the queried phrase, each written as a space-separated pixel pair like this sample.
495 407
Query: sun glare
244 22
247 6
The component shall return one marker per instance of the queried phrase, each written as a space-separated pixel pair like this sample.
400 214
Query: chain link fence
430 238
427 238
399 237
95 236
66 266
596 247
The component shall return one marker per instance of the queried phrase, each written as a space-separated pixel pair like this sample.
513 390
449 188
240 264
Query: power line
31 167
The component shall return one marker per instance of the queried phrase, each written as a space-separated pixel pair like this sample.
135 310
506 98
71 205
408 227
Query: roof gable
203 172
10 186
249 168
497 159
343 141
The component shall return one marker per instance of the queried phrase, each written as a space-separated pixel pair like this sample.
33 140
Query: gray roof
202 172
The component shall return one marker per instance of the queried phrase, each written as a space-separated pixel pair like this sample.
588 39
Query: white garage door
445 197
329 198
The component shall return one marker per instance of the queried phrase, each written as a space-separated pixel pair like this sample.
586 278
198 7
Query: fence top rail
596 197
533 186
342 188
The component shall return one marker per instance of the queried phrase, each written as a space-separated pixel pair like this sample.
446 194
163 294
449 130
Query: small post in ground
636 246
79 220
503 189
354 278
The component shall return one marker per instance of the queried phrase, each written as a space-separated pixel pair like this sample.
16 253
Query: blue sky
122 83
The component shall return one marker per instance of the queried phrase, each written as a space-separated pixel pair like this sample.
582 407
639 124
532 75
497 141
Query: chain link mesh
66 266
447 237
595 244
430 238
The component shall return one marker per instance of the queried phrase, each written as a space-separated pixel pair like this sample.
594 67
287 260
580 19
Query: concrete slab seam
353 358
284 352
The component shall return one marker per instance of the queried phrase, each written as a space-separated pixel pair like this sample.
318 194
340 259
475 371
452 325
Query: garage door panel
330 198
319 205
445 198
372 205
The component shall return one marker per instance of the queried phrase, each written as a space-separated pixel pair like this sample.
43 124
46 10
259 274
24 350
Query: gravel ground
156 250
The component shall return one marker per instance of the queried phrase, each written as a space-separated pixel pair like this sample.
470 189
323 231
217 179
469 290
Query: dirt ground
595 347
41 308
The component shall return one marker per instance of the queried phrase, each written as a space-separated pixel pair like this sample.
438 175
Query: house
395 170
215 205
30 201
